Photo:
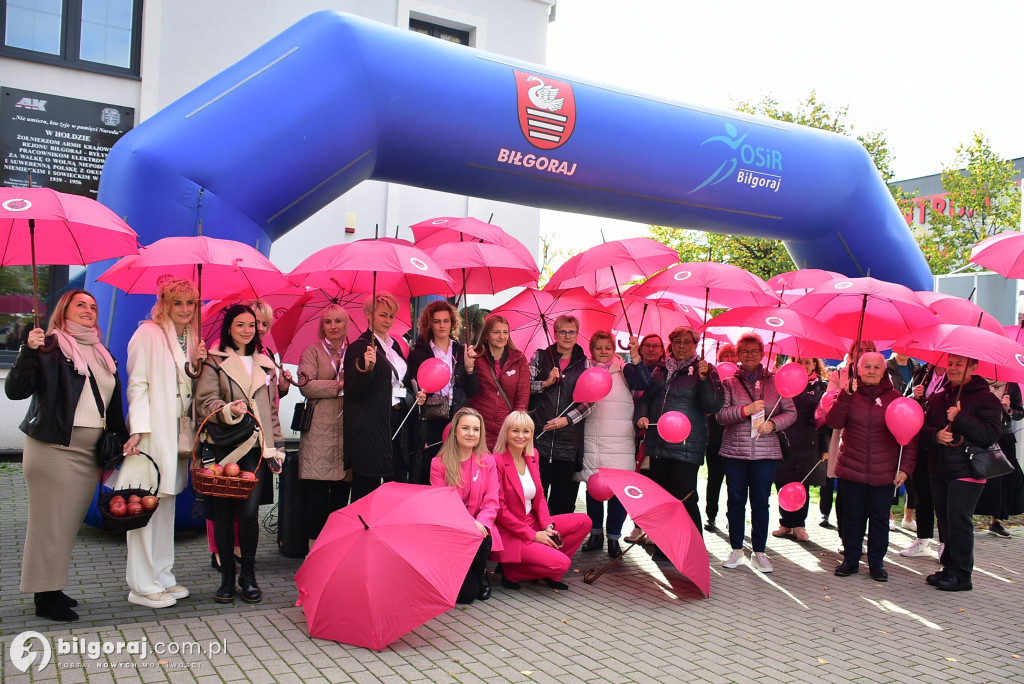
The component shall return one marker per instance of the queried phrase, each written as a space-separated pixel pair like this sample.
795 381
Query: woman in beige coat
325 482
235 380
160 419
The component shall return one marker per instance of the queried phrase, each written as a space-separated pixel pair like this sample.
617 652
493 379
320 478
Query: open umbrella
999 358
40 225
790 332
664 519
792 284
651 315
959 311
1002 253
438 231
709 284
531 313
386 564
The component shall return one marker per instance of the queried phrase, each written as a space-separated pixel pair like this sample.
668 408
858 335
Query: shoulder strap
99 400
498 385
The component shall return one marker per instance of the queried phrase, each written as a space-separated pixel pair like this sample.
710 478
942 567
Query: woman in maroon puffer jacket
504 377
869 464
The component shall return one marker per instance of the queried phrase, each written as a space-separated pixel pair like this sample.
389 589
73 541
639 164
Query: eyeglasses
749 352
566 333
650 346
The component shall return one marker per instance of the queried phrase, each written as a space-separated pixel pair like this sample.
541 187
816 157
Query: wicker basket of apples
129 508
227 481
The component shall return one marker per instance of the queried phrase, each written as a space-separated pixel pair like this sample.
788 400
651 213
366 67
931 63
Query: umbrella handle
623 347
591 577
48 346
191 371
301 379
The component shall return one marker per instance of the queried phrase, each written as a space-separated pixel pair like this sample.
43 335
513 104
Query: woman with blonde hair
537 545
160 415
62 427
463 464
325 479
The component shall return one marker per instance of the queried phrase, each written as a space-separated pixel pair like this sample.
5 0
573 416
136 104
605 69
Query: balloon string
557 417
811 471
899 461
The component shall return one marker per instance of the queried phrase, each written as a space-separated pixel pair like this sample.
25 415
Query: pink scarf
74 335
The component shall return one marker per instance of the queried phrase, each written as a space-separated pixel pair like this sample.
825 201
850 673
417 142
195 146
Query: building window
92 35
442 32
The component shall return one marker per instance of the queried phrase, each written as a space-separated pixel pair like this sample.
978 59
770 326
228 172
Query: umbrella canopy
999 358
386 564
531 313
438 231
959 311
602 269
1002 253
866 309
801 281
483 268
368 266
220 267
786 331
646 315
709 284
66 229
664 519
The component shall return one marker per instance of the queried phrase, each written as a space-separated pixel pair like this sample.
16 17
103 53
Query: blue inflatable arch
336 100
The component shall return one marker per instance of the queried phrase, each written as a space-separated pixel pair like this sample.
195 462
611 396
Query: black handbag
988 462
230 435
110 445
785 446
302 419
439 410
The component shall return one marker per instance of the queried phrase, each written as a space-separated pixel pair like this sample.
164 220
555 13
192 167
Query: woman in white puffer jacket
608 434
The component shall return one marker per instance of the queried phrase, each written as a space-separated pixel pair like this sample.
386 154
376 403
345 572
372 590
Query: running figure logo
729 165
22 655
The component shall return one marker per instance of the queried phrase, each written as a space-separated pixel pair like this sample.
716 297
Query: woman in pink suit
464 465
537 545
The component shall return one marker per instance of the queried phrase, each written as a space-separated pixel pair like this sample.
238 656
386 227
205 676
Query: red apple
247 475
134 498
232 470
217 469
207 472
134 508
118 509
149 503
117 499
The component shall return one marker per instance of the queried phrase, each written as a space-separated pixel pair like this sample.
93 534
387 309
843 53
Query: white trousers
151 552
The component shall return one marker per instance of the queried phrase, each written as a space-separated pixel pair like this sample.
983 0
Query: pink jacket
513 522
481 493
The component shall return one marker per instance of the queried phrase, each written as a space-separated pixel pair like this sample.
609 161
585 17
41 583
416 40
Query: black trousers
364 484
680 480
474 576
825 494
559 487
247 511
716 476
320 498
954 511
925 503
865 506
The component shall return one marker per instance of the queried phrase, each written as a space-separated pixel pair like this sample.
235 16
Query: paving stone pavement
640 622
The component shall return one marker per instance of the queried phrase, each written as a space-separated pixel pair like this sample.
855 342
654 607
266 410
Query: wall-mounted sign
62 142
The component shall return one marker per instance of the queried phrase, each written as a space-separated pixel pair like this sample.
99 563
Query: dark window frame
435 31
70 43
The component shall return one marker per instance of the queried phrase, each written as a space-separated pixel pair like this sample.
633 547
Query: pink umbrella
386 564
531 313
797 332
1002 253
370 266
999 358
959 311
70 229
664 519
709 284
438 231
659 316
801 281
483 268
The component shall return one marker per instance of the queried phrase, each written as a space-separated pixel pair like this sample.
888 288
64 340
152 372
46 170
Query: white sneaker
942 547
760 562
892 525
157 600
918 548
909 525
177 592
734 559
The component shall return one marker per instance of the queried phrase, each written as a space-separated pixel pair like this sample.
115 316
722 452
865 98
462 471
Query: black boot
485 587
226 590
594 542
247 582
613 548
51 604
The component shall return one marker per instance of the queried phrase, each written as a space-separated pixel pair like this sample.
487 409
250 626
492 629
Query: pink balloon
791 379
792 497
598 489
904 418
594 384
726 369
673 426
433 375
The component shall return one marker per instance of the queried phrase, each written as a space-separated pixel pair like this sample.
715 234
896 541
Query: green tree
761 256
985 201
551 257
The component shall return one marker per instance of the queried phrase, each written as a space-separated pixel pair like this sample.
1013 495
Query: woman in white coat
608 435
159 419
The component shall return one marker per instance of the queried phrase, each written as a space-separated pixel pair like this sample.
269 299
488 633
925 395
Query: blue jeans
754 477
616 516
